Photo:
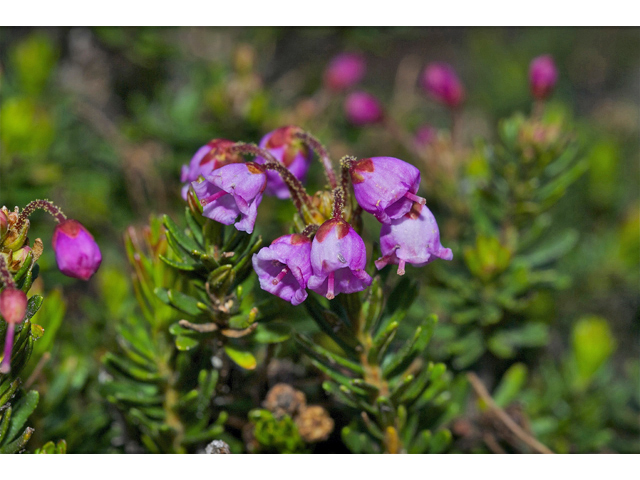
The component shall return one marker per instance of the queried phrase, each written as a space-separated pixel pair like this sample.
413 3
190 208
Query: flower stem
5 366
45 205
313 143
338 203
298 193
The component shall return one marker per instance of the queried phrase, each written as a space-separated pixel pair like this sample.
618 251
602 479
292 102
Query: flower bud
385 186
208 158
233 190
13 307
338 258
16 259
414 239
291 152
284 267
543 75
442 83
77 253
362 109
344 71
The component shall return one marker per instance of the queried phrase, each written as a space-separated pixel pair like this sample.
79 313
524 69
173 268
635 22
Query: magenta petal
380 185
77 253
338 249
284 268
414 239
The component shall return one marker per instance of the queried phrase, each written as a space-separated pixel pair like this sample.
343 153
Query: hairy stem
45 205
313 143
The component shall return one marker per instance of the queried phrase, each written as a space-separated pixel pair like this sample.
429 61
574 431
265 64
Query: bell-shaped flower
291 152
209 157
344 71
284 267
543 76
442 83
13 306
77 253
338 258
413 239
232 190
385 187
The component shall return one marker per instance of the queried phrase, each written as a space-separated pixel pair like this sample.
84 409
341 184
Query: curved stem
45 205
299 194
313 143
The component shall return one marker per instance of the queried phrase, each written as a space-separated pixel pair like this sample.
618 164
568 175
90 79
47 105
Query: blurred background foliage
100 120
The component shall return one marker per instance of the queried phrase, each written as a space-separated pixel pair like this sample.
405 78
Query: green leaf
21 412
185 344
242 358
181 238
510 385
184 303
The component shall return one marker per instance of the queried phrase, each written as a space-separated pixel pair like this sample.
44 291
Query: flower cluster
77 256
327 255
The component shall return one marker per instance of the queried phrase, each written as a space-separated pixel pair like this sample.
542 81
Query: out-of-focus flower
13 306
344 71
414 239
338 258
425 135
543 76
442 83
208 158
363 108
284 267
232 190
385 186
291 152
77 253
314 424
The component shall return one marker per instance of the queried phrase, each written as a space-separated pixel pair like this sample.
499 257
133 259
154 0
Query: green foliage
275 435
512 245
398 394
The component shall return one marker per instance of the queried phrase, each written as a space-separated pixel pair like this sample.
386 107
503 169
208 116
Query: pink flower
442 83
13 307
338 258
208 158
344 71
77 253
233 190
385 187
291 152
543 76
414 239
362 108
284 267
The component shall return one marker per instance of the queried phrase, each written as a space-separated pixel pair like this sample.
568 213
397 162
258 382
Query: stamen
280 276
330 294
401 267
415 198
5 367
212 198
